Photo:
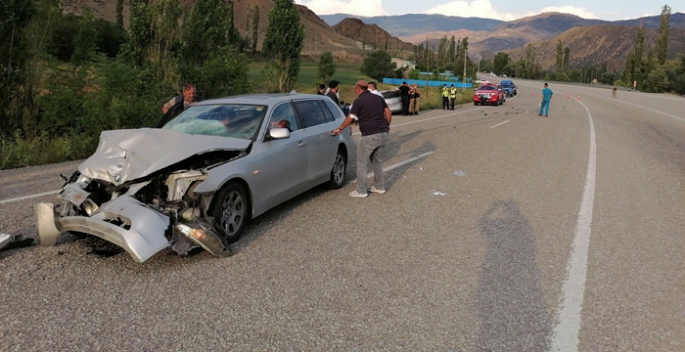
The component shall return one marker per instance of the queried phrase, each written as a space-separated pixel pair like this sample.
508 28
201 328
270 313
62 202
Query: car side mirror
279 133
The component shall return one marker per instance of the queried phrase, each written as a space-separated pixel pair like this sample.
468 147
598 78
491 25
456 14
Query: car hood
125 155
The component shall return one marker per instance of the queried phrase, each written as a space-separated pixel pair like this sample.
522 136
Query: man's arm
168 105
388 116
347 122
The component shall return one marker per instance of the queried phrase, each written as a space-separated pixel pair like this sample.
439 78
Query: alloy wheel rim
339 169
233 213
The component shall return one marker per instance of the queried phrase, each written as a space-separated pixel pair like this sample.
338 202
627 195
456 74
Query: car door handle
301 143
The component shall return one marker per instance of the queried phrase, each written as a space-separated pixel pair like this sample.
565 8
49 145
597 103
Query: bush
223 75
378 65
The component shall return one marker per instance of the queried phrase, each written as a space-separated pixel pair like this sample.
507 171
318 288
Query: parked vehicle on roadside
509 87
393 99
199 179
489 94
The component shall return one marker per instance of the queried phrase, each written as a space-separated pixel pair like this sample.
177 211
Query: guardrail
424 83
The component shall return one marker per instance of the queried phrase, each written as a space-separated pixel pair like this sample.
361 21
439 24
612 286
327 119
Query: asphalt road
563 233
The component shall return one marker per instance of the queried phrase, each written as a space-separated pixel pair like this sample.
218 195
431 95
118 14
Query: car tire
338 171
232 211
474 103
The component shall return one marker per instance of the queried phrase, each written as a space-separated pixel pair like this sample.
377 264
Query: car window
390 94
224 120
327 114
487 88
283 116
310 113
335 110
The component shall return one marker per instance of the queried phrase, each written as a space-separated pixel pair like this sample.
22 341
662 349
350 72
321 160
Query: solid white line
566 334
500 124
428 119
394 166
29 196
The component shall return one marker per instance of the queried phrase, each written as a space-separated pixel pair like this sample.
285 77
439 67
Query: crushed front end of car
137 192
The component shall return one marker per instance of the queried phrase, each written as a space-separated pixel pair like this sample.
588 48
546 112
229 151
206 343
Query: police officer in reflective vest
453 96
445 97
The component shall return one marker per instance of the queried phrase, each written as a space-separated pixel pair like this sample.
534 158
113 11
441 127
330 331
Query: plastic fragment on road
459 173
420 168
438 193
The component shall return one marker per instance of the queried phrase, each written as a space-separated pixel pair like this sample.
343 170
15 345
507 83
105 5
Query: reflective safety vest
445 92
453 92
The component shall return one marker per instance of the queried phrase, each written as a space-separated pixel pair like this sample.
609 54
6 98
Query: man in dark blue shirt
374 118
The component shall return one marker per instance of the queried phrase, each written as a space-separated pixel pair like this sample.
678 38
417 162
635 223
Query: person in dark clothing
374 124
179 103
404 95
322 89
333 91
189 97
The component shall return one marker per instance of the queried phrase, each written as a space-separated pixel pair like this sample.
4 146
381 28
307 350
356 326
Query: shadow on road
512 307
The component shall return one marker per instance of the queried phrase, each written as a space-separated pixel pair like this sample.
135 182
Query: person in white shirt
372 89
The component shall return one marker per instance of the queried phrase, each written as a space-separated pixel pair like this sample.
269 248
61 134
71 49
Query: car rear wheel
338 171
232 211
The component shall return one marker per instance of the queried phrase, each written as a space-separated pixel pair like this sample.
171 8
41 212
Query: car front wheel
338 171
232 211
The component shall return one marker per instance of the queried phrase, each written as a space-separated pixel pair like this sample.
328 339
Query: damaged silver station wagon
199 178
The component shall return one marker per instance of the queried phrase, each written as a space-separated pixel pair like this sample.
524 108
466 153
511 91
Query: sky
505 10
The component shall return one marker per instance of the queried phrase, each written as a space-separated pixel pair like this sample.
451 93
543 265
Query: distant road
501 230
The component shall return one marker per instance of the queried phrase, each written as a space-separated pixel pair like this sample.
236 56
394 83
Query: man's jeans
544 106
370 148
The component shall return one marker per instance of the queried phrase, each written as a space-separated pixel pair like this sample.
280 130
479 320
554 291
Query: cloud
477 8
484 9
365 8
578 11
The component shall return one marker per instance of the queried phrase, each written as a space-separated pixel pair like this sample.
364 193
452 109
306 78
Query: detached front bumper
123 221
129 224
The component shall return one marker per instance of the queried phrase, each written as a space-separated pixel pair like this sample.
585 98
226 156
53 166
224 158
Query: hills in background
590 41
595 45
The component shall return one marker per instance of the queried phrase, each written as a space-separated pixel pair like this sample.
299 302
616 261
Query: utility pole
466 54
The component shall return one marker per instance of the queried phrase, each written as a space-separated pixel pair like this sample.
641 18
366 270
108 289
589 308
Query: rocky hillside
515 34
417 24
319 35
371 34
594 45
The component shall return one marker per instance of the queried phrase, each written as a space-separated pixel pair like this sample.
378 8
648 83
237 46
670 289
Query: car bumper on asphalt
129 224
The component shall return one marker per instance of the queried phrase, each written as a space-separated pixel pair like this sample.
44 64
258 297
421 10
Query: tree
326 67
378 65
14 17
85 41
567 58
282 46
255 29
500 61
209 26
560 56
120 13
662 46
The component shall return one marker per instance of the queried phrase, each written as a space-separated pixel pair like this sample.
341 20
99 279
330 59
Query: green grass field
346 74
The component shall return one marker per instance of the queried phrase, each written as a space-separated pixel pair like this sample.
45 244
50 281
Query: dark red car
489 94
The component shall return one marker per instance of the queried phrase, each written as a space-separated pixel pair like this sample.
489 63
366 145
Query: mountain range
591 41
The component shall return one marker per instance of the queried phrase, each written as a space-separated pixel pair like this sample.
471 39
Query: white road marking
394 166
29 196
500 124
566 333
428 119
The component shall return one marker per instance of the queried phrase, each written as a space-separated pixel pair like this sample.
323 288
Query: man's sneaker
373 189
358 195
